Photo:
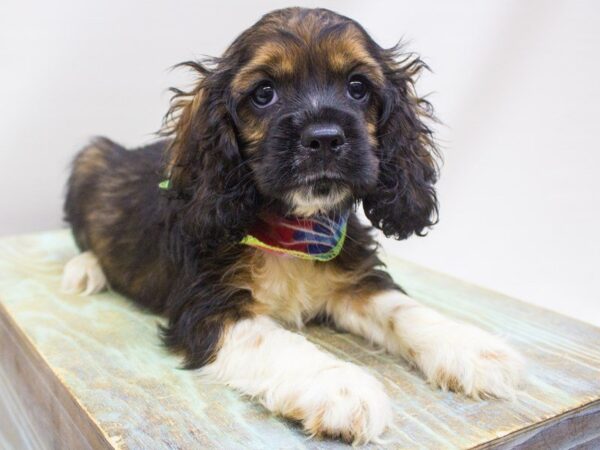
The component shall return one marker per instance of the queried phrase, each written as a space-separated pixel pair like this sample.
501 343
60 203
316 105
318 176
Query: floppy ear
205 167
404 200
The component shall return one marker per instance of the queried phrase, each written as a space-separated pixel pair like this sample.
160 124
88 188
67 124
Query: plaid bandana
318 238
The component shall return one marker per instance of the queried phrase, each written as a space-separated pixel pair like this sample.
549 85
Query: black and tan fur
177 252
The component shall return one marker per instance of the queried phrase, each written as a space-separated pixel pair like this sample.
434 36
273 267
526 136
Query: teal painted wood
107 353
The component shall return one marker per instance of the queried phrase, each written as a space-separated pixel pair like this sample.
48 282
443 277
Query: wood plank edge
575 420
79 417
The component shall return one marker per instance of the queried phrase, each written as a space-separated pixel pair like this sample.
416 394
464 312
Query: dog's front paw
343 402
466 359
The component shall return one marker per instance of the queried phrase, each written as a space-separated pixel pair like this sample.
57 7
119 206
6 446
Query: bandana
319 238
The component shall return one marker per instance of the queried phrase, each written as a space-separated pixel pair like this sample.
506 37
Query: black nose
322 137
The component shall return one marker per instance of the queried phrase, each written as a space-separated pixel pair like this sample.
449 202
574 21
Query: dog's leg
451 355
83 275
292 377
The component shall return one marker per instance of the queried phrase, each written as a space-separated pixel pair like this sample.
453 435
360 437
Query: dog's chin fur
307 203
177 252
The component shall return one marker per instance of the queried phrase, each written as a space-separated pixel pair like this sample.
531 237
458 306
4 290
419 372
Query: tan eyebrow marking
347 50
277 59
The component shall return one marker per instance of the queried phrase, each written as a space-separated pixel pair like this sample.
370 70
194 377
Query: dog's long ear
404 201
206 169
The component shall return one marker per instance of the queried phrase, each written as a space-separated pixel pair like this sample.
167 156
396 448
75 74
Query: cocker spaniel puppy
241 224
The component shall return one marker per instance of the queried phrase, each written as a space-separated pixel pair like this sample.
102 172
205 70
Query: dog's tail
88 168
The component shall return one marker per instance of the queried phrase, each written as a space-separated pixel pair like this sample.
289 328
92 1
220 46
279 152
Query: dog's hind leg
83 275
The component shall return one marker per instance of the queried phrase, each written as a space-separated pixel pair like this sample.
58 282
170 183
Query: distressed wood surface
101 360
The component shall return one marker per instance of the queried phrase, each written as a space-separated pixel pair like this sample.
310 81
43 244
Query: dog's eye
264 95
357 88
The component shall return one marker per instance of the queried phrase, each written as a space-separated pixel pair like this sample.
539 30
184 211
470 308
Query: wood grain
107 357
44 414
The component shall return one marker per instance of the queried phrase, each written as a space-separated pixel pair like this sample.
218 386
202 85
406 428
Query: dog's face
306 114
308 98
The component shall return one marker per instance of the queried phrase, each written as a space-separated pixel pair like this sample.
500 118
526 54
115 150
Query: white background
516 84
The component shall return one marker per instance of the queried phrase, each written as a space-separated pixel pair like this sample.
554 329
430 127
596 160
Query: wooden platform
79 372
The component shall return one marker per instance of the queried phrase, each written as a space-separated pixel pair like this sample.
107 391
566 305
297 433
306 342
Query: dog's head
306 114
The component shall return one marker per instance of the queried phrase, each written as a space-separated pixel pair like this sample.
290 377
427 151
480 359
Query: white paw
466 359
83 275
342 402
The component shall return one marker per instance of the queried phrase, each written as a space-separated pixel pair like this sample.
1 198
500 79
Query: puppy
241 223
